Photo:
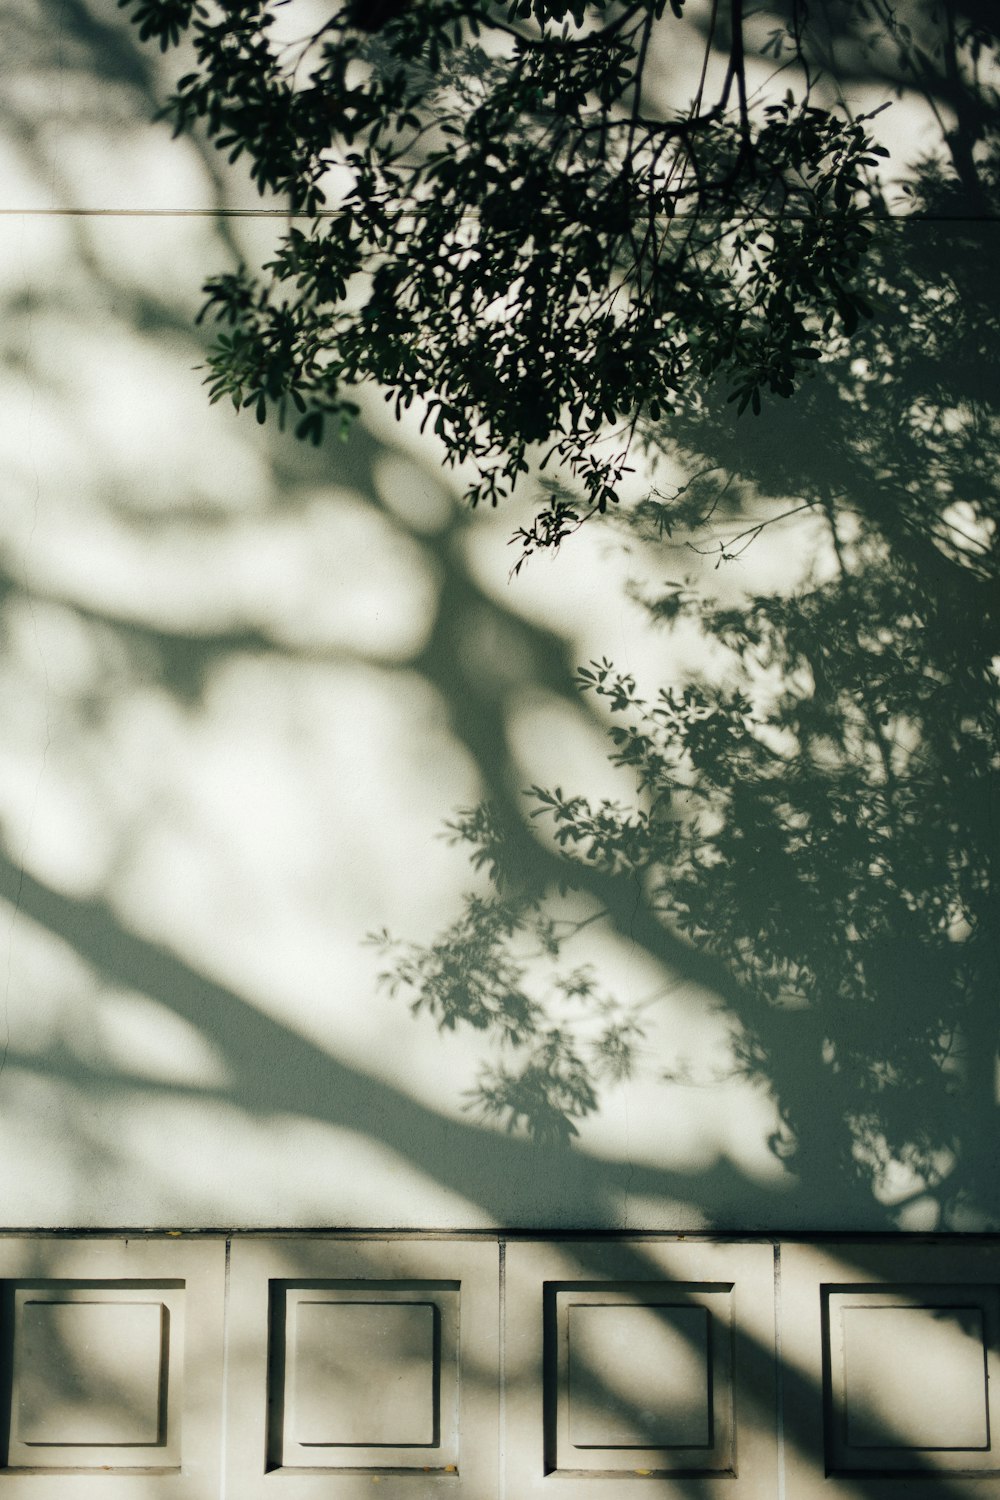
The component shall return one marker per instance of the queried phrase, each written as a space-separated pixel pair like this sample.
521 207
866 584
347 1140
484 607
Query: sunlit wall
244 686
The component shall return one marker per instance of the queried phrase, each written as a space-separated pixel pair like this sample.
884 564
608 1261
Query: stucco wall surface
244 686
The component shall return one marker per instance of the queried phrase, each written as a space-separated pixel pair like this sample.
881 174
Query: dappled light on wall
247 684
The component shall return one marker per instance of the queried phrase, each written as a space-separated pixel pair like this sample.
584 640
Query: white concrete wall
243 685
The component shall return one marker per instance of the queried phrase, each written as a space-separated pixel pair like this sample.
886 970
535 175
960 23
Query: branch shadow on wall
809 825
850 1071
877 1047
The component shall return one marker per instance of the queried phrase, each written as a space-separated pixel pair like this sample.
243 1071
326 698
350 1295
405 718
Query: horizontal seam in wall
334 213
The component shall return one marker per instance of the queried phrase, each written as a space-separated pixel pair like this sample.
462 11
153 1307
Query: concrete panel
365 1374
353 1363
361 1362
91 1372
891 1369
639 1359
908 1375
111 1356
655 1357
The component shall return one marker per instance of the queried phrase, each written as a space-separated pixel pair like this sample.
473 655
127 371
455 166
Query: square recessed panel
914 1377
111 1357
639 1376
892 1354
366 1368
364 1373
907 1370
90 1372
641 1363
95 1374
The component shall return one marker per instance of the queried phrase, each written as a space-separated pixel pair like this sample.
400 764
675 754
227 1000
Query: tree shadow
887 1056
814 814
910 398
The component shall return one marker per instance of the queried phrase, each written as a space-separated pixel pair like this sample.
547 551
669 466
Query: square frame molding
670 1412
140 1329
891 1378
320 1328
684 1397
112 1360
335 1347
